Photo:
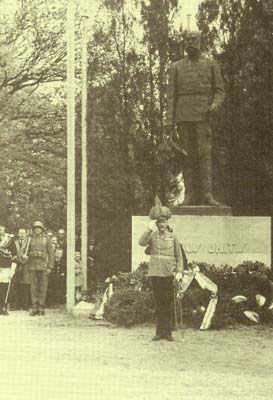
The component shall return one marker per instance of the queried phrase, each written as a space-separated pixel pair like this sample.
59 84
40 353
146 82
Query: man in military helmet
195 93
40 264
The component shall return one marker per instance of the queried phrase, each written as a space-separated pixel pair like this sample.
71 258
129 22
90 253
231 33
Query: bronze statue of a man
195 92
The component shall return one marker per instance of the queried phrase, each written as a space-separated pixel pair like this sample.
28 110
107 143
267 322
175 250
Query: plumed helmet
38 224
158 211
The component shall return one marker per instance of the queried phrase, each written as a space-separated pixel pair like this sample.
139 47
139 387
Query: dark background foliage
129 56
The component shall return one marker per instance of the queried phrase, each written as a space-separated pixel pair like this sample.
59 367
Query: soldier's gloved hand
178 276
152 226
48 271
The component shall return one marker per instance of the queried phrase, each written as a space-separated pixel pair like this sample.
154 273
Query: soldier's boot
210 200
189 199
41 310
34 311
206 183
5 311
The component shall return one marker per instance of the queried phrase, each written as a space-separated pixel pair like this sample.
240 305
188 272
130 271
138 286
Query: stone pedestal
215 239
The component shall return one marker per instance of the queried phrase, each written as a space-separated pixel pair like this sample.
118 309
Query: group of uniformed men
26 264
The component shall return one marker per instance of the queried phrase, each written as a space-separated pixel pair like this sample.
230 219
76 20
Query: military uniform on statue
165 251
40 264
7 267
195 93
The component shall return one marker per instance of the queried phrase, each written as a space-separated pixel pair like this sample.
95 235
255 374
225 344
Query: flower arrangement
132 301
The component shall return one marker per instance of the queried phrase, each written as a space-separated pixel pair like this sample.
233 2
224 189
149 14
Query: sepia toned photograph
136 199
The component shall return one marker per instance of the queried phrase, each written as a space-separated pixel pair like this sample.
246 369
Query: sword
174 306
180 296
181 319
13 267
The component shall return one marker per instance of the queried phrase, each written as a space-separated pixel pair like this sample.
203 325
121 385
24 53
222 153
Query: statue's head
193 43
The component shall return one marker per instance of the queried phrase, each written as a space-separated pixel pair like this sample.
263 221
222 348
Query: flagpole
189 22
84 212
70 282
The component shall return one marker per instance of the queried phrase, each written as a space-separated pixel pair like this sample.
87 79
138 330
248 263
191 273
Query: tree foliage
32 120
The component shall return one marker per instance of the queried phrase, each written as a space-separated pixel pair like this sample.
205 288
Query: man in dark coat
21 283
40 265
55 295
61 238
195 92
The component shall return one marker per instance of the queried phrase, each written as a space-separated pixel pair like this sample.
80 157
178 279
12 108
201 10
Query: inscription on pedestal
216 248
218 240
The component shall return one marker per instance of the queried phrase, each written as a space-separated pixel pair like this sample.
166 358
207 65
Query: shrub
128 307
137 279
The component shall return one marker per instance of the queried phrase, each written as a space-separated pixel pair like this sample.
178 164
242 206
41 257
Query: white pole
189 22
70 282
84 213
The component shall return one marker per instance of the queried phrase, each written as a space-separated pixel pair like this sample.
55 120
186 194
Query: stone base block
83 309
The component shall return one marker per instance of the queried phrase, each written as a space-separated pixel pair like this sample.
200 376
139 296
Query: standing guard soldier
40 264
195 93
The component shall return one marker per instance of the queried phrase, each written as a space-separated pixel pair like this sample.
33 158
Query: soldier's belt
38 253
163 256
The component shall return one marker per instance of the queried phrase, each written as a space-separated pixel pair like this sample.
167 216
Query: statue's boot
210 200
189 199
206 183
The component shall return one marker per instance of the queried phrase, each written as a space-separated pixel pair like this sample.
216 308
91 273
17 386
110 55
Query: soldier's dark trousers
3 293
38 287
22 296
196 138
163 295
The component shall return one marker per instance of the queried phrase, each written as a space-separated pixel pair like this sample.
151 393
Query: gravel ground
61 357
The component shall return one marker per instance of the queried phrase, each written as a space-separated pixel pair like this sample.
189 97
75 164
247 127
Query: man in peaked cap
195 93
40 264
21 284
